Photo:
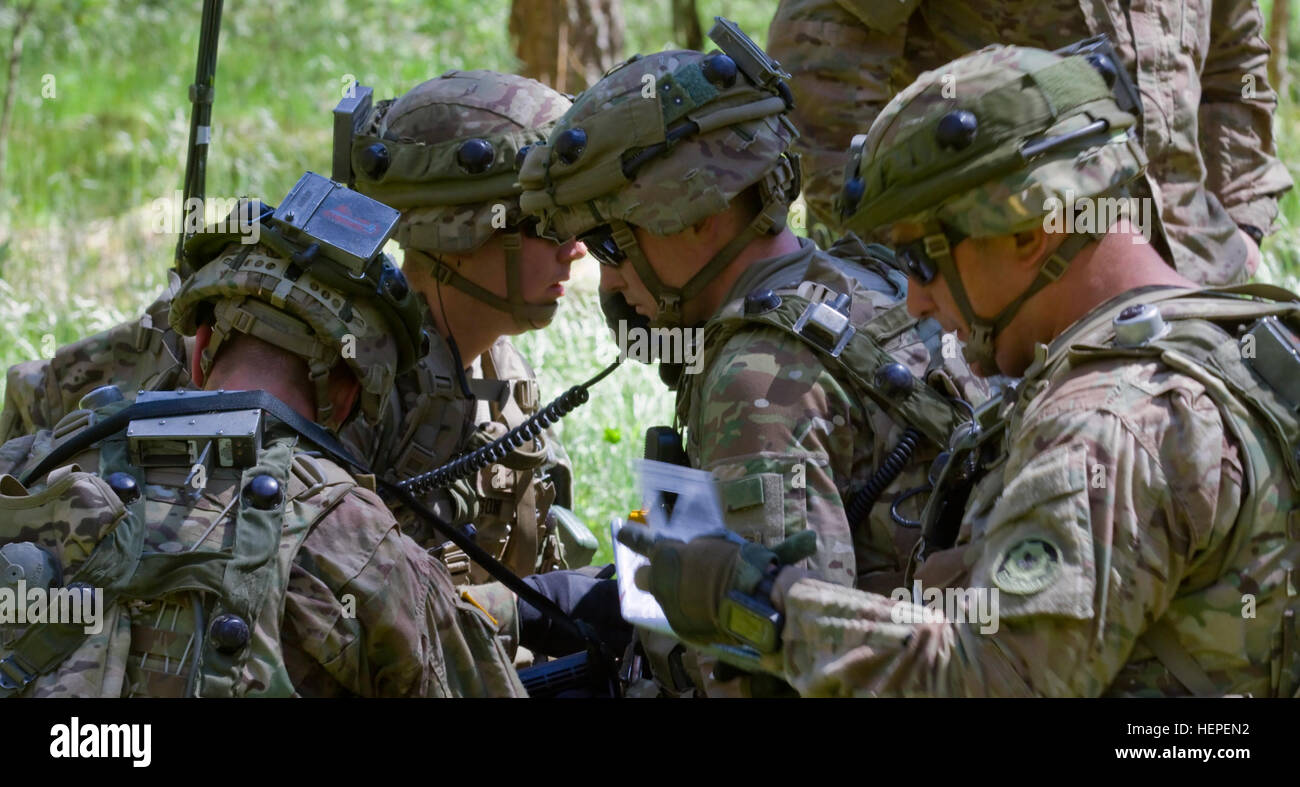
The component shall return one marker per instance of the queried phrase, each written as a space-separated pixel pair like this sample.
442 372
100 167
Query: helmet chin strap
527 316
670 299
984 331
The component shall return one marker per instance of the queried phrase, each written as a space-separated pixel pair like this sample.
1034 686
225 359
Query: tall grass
1281 251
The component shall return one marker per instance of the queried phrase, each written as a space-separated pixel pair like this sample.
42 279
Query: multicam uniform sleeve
777 430
1119 477
1236 116
371 613
28 395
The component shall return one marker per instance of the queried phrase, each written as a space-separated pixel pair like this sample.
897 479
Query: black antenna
201 95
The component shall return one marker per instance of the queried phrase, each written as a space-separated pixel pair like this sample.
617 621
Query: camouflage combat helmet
447 154
661 142
990 145
310 311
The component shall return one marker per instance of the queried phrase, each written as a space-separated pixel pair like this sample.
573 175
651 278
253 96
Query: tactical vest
192 592
428 422
1245 353
517 520
864 357
854 353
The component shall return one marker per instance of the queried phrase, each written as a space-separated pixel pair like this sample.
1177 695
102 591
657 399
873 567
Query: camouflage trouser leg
841 81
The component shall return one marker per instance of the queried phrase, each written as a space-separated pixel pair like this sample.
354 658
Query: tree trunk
686 24
1277 30
567 44
11 87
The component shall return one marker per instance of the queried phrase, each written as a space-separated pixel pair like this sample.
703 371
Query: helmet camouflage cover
451 145
255 290
954 145
662 142
615 156
446 154
991 144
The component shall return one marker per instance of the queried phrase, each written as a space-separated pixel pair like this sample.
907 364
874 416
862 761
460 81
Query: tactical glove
586 598
716 589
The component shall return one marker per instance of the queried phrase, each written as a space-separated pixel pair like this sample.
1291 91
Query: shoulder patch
1028 566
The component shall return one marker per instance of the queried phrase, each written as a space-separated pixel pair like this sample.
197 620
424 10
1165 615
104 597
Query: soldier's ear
711 233
1033 245
344 390
201 338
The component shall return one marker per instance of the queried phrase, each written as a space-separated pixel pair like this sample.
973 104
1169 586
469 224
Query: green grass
84 166
1281 251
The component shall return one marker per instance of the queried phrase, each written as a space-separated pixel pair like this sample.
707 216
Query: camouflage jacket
1199 66
428 422
789 442
1138 510
332 599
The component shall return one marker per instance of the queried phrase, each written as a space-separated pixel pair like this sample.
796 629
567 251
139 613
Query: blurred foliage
1282 249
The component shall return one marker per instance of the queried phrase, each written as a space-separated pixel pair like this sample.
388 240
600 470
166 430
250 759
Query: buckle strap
824 325
1051 270
1054 267
442 271
15 676
1163 643
936 245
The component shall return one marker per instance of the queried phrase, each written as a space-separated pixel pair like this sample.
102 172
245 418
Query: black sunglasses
600 242
918 256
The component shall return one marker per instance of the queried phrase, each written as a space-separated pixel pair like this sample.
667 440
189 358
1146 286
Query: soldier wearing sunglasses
1134 515
812 408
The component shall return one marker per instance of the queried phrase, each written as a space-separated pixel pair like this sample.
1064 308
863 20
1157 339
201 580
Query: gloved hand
586 598
715 589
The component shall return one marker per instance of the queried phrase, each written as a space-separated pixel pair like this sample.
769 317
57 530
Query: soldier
1135 528
231 554
1206 124
468 219
444 153
674 172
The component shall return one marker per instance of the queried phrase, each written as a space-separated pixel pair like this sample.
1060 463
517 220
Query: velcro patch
1028 566
742 493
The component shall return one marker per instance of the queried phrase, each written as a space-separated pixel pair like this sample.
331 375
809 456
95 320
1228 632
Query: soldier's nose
571 251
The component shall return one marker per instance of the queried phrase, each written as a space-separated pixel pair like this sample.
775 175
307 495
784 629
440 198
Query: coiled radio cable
468 464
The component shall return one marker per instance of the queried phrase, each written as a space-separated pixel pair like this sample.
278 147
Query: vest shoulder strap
1247 345
852 352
